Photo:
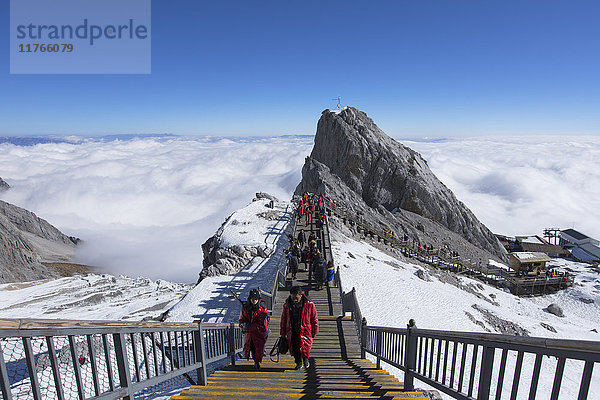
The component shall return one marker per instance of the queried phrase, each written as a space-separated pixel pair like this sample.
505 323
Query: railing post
122 363
485 377
232 342
363 338
201 354
4 382
378 348
411 356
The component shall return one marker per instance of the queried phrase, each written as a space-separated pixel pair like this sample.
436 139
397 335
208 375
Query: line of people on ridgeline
308 203
299 325
319 269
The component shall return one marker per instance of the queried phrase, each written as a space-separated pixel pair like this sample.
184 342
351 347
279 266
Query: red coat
256 331
309 325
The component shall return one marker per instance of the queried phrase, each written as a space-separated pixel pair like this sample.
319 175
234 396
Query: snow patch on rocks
241 238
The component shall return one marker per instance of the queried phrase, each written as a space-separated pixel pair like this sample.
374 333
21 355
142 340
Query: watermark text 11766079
45 48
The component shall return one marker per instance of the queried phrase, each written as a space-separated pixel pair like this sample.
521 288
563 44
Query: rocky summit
27 242
390 186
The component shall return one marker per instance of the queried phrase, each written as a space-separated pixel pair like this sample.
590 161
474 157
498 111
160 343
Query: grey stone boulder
264 251
549 327
555 309
423 275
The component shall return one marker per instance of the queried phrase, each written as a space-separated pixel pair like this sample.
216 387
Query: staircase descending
336 371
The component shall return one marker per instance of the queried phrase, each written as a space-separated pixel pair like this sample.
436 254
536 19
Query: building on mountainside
575 237
509 243
535 243
581 247
530 276
528 263
532 243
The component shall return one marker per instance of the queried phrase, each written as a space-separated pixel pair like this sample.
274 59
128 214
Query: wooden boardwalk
336 370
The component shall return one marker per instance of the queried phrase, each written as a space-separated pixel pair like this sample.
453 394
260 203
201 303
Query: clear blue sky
419 68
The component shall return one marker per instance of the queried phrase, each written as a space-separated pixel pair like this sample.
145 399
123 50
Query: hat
254 294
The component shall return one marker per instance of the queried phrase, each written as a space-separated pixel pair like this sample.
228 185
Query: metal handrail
279 281
61 359
461 364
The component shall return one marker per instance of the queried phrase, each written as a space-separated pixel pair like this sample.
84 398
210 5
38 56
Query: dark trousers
295 345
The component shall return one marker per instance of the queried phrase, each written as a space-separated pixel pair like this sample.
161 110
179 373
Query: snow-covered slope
392 291
90 297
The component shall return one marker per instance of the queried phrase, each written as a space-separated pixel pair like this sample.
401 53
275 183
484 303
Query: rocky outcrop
263 195
3 185
26 242
500 325
390 186
228 260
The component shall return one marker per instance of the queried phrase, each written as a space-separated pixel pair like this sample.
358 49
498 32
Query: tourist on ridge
253 322
330 272
312 252
319 270
299 324
293 262
301 238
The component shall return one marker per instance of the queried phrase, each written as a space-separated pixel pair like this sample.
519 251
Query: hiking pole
237 297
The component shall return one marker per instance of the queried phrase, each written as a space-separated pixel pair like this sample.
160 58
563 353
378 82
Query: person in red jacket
253 322
299 324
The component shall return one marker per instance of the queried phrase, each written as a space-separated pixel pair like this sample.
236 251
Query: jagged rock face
26 241
228 260
3 185
29 222
351 154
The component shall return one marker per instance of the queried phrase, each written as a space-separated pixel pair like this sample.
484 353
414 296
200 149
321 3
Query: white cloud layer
145 206
521 185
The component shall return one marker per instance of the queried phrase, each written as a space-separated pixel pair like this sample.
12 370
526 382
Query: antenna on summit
339 102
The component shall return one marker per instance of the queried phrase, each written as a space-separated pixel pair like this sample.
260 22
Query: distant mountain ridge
390 185
35 140
26 242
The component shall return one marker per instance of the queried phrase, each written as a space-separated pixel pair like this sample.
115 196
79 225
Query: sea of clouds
144 206
522 185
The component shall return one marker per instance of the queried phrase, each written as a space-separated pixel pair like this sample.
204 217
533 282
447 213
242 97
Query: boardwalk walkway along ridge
337 369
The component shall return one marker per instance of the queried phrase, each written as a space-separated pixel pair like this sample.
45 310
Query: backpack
280 347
